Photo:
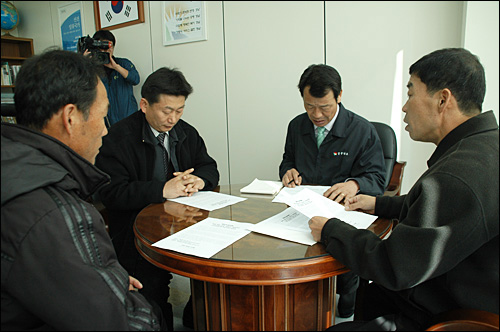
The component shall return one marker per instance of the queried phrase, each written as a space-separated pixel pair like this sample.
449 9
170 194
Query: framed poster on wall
117 14
183 22
71 25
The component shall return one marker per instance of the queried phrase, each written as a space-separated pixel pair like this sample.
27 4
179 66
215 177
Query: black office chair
394 169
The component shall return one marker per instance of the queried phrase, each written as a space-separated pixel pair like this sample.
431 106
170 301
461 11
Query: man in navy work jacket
144 170
331 146
443 254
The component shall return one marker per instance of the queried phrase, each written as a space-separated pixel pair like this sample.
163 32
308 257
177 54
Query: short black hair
104 35
165 81
456 69
321 79
52 80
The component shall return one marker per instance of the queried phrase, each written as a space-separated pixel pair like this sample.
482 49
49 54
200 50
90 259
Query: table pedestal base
308 306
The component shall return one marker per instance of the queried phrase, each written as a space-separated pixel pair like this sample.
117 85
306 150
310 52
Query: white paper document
208 200
262 187
313 204
286 192
288 225
205 238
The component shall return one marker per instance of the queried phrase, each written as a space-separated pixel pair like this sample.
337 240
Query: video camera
95 47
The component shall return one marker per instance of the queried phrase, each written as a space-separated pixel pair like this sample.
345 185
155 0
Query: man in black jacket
443 254
59 267
145 170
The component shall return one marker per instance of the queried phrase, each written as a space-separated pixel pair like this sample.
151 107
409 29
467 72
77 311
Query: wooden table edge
242 273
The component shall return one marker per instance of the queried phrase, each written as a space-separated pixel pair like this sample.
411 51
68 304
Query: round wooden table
257 283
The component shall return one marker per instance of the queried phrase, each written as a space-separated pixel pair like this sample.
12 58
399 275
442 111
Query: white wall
365 40
481 38
268 46
245 75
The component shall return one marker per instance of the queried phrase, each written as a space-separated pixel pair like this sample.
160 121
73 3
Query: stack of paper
262 187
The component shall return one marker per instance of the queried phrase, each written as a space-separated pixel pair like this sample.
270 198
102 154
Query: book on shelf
9 73
7 98
6 76
8 108
14 70
9 119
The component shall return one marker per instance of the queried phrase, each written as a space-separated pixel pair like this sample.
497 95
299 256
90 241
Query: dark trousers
380 312
347 283
155 282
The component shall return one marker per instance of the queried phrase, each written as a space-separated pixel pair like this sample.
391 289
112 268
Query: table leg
306 306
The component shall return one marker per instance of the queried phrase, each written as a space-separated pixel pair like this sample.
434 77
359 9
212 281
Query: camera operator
121 76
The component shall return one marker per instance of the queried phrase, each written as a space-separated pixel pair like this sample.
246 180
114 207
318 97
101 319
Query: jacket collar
480 123
339 128
59 163
175 135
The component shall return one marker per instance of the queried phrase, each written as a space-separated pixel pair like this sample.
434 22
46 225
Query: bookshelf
14 51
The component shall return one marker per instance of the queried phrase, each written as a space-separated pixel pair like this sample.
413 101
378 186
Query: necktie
321 135
161 139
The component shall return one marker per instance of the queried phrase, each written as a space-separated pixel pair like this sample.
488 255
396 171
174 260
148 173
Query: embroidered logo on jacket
340 153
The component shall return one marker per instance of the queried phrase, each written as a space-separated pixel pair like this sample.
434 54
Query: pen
300 174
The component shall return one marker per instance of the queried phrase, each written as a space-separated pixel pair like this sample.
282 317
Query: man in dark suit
152 155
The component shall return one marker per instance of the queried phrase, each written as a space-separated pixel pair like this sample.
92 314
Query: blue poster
71 26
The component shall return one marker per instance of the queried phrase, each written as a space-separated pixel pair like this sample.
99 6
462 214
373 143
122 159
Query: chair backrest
389 146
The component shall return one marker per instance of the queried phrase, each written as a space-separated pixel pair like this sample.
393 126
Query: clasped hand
183 184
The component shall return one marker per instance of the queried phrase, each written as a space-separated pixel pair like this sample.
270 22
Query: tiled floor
180 290
179 295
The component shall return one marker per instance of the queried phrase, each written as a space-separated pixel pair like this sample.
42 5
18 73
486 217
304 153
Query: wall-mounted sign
183 22
71 24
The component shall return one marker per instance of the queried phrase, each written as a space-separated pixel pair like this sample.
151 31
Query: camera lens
102 57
